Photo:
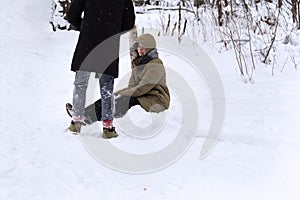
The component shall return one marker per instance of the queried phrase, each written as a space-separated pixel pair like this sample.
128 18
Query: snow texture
257 157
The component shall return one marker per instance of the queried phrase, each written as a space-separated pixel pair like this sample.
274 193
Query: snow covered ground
257 157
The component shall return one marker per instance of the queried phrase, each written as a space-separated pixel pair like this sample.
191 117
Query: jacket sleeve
150 79
128 16
131 84
74 13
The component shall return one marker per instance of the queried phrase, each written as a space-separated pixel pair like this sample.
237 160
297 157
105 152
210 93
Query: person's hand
116 96
133 49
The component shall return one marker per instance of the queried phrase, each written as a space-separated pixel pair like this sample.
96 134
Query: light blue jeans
106 83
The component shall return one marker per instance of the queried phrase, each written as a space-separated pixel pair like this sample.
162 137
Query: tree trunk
220 12
294 10
226 3
279 3
298 10
198 3
227 14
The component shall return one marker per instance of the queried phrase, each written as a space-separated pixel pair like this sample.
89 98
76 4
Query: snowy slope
257 156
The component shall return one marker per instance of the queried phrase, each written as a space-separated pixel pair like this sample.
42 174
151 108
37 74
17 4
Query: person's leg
123 104
79 94
107 105
93 111
107 98
79 97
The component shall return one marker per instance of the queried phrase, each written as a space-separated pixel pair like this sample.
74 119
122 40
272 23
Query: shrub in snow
58 15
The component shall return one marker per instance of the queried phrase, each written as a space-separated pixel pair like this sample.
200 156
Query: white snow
257 157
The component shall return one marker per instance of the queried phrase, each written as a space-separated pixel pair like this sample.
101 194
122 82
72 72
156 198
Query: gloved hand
116 96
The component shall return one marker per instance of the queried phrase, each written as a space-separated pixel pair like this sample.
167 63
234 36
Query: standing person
97 21
147 85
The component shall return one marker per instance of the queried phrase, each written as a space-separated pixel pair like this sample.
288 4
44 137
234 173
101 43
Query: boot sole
105 136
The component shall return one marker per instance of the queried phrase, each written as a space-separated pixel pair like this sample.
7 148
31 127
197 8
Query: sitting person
146 88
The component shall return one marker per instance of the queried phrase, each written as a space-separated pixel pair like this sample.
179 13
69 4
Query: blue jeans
106 83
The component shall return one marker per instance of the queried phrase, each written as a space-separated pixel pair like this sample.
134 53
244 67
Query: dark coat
102 19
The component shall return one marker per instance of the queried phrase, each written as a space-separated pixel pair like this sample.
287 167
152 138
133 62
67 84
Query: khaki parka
148 84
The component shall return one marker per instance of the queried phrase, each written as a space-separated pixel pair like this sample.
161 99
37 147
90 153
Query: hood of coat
147 41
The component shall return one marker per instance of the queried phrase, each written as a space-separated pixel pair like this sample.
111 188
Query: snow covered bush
58 14
253 29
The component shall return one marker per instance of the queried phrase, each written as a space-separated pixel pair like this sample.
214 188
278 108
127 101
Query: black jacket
98 21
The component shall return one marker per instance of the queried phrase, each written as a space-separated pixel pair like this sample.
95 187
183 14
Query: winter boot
109 133
86 118
75 127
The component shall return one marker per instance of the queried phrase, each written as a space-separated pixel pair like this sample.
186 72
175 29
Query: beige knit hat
147 40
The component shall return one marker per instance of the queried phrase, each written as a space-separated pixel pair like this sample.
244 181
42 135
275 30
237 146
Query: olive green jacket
148 84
